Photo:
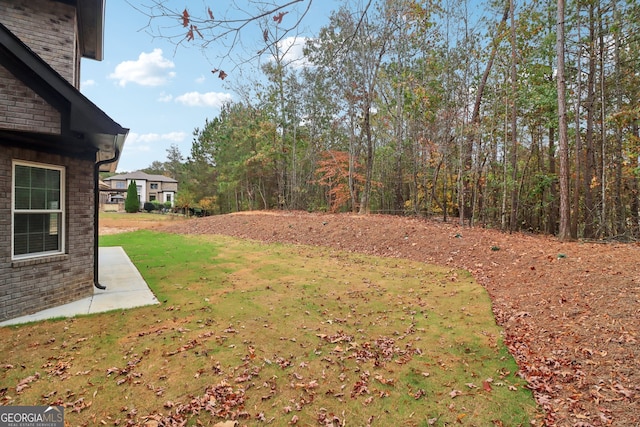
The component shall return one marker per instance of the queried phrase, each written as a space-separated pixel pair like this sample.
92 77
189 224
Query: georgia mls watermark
31 416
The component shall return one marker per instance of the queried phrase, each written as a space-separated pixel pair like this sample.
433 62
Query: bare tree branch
183 27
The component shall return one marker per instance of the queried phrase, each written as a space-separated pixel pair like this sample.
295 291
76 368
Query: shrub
149 206
132 203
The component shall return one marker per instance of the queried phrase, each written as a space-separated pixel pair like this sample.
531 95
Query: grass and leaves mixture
273 335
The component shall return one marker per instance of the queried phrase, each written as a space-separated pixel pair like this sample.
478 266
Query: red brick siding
49 28
36 284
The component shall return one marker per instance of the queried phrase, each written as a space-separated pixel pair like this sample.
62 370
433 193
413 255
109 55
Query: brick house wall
23 110
49 28
30 285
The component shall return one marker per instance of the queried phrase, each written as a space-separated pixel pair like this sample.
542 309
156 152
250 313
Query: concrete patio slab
125 289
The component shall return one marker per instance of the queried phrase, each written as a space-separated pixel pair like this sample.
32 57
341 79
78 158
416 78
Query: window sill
39 260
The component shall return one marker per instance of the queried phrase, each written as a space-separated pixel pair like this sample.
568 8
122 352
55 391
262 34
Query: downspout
96 208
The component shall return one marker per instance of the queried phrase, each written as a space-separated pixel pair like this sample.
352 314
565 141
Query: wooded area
439 109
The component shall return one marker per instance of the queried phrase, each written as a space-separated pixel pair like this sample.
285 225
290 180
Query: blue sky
162 93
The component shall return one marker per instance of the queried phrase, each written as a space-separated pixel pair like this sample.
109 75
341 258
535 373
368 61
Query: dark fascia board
87 125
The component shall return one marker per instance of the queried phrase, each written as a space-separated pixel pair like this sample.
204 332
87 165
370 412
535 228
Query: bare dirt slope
570 310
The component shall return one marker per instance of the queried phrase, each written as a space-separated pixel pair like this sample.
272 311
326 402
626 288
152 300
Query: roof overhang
91 28
85 127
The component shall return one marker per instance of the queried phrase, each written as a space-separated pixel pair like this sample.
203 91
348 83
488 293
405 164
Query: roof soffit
91 28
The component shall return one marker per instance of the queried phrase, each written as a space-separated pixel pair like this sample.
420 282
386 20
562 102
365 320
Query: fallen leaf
623 391
455 393
26 381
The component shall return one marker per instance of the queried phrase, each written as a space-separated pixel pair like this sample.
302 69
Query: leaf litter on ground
272 333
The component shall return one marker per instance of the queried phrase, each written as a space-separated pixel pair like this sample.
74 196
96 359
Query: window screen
38 209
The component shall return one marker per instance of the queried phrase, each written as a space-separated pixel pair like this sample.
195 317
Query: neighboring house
151 188
53 144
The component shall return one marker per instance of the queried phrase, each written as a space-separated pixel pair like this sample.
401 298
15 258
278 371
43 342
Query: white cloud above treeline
142 142
150 69
209 99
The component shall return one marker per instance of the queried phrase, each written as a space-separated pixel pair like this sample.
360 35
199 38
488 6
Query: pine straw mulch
569 310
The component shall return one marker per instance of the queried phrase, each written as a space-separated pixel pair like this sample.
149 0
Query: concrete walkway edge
126 288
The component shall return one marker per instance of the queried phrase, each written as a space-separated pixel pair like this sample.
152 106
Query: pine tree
132 203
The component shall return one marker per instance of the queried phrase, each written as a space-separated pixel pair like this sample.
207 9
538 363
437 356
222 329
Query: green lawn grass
274 334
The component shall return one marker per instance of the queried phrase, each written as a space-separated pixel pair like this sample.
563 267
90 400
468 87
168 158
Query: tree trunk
620 223
475 115
562 128
604 218
590 104
514 128
354 153
578 136
503 207
635 193
365 200
552 209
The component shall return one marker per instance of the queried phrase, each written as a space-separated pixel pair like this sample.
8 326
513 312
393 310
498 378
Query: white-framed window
38 209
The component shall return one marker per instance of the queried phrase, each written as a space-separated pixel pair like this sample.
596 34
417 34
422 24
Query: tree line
439 109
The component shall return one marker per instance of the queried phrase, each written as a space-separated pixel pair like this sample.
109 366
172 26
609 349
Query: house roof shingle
140 176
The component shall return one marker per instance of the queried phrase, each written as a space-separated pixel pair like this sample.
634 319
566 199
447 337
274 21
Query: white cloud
136 143
293 47
143 142
88 83
209 99
142 149
200 79
165 97
150 69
